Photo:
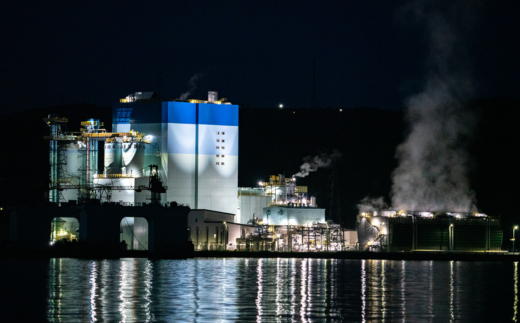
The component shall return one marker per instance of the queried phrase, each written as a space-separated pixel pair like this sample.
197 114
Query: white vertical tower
195 146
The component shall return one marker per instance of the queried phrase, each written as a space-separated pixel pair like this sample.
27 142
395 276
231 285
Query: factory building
185 153
211 230
190 146
387 230
194 143
285 218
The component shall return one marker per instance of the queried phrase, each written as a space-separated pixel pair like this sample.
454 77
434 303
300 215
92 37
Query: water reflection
262 290
515 304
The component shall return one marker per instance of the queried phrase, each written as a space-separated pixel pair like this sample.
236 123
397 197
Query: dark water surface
267 290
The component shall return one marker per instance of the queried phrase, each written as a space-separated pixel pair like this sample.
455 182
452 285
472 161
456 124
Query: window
218 147
222 147
218 133
222 140
218 163
223 133
222 163
219 140
218 156
222 156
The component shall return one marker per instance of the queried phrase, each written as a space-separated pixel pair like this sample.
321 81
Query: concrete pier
99 229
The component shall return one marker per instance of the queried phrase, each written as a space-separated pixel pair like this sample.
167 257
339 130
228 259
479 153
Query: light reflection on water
262 290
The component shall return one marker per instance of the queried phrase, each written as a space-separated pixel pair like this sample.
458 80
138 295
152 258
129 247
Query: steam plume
192 85
433 162
311 164
372 204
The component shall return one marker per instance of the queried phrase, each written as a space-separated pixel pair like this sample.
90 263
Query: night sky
255 53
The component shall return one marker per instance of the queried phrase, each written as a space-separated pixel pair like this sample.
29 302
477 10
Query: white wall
249 205
295 215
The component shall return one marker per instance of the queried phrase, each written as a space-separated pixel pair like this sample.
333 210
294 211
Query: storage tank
133 159
76 154
113 158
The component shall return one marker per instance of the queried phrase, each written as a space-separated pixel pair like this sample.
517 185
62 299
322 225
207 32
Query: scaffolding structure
318 237
87 140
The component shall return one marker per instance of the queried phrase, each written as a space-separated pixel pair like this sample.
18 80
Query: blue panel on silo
136 112
218 114
182 112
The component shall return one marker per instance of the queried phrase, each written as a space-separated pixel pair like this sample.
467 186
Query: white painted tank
76 155
133 159
113 158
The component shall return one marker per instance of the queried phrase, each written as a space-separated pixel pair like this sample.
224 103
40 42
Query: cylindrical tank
313 201
133 158
113 158
75 161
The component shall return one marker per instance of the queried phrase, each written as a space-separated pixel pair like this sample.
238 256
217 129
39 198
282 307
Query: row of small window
218 147
220 163
220 156
218 140
221 133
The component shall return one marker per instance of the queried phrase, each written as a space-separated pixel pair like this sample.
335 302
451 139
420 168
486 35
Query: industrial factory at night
176 158
163 177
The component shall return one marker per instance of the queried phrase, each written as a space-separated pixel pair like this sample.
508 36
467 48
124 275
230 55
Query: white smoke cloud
433 161
192 85
311 164
369 204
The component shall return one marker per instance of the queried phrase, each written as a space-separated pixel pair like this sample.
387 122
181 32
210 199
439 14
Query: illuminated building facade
195 145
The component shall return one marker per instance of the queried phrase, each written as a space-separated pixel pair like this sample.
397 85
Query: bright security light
280 106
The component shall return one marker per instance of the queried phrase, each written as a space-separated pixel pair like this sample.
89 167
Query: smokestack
212 96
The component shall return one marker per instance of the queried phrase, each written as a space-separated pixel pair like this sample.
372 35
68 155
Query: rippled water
270 290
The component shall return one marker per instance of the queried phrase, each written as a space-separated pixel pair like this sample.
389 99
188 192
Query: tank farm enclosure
425 231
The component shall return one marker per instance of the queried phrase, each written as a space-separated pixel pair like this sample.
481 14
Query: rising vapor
433 160
192 85
311 164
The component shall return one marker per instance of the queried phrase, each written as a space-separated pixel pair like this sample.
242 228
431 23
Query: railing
377 242
113 176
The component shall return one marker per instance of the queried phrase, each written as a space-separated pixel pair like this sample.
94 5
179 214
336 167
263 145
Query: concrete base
99 230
